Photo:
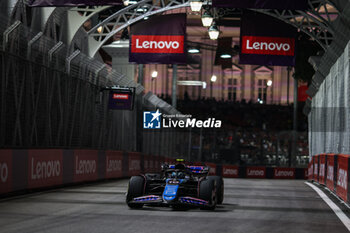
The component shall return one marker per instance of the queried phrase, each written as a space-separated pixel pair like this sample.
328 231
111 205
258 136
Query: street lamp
213 78
196 5
154 74
213 32
269 83
225 56
207 19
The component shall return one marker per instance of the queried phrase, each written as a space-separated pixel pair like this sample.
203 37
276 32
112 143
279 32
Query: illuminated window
262 90
232 89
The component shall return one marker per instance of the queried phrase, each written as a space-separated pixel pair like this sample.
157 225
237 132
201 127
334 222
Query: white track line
345 220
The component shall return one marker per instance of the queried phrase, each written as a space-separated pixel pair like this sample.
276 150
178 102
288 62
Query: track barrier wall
22 170
332 171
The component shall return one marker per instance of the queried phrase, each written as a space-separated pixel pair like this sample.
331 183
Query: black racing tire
219 188
207 192
135 189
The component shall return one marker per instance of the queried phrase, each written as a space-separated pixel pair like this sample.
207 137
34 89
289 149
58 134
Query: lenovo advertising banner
256 172
284 173
263 4
266 41
322 169
134 163
5 171
316 159
342 177
160 39
121 99
74 2
311 169
212 168
330 172
114 161
230 171
85 165
45 168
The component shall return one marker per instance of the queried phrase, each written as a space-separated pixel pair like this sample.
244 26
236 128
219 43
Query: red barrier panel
315 176
5 171
85 165
342 177
230 171
146 163
284 173
134 164
256 172
45 168
114 161
322 169
212 168
311 169
330 172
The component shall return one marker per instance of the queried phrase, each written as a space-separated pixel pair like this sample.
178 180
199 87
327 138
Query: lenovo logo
283 173
342 179
330 173
322 169
157 44
134 165
251 172
316 169
113 165
83 166
120 96
45 169
228 171
268 45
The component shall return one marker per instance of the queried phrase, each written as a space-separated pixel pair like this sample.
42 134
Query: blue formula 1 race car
177 186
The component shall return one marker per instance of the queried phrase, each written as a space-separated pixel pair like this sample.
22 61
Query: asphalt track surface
249 206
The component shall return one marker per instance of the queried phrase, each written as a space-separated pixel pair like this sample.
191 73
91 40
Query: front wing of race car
159 200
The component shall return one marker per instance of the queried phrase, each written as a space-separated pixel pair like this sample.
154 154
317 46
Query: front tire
207 192
219 188
135 189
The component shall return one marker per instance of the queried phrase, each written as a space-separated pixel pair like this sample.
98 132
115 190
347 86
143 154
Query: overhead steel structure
56 39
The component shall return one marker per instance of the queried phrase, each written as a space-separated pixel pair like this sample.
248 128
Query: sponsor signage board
322 169
85 165
230 171
256 172
330 172
263 4
121 99
342 177
114 164
212 168
134 164
45 168
284 173
74 2
5 171
160 40
266 41
311 169
315 176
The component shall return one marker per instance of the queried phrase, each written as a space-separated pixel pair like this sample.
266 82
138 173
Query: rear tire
219 188
207 192
135 189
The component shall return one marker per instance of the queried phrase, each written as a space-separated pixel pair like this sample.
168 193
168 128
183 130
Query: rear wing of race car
195 169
